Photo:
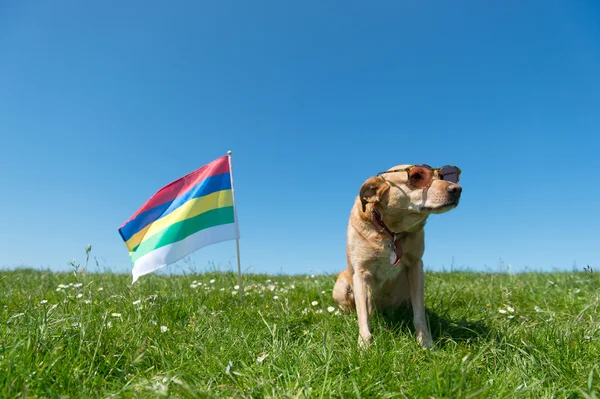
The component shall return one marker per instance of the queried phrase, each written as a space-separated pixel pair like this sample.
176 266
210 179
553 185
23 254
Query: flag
190 213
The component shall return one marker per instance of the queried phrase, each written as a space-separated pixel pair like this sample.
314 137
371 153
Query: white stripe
171 253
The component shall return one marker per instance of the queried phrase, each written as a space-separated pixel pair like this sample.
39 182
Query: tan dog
385 242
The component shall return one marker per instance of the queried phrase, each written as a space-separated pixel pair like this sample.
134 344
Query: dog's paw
428 346
365 341
424 340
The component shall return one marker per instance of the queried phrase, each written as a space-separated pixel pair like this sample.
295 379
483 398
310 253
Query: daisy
262 358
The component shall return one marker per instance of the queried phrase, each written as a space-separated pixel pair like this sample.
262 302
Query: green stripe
182 229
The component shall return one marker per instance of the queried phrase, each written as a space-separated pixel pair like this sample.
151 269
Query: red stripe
184 184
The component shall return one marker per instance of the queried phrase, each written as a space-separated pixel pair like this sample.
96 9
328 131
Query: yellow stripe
190 209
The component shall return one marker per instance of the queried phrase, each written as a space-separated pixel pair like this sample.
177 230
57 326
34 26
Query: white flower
212 281
292 286
100 289
507 310
137 302
116 314
78 285
262 358
43 301
537 308
276 297
152 322
234 292
108 325
314 303
87 301
163 329
319 311
236 287
79 296
330 309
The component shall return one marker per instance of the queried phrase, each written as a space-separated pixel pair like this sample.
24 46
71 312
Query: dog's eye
420 177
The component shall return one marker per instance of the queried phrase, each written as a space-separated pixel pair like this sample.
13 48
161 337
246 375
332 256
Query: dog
385 243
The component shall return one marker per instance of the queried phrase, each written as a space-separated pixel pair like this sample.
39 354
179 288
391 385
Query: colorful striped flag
190 213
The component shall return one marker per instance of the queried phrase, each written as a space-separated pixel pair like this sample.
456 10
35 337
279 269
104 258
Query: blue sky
103 103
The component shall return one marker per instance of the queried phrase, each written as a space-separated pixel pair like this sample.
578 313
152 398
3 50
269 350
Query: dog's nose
454 189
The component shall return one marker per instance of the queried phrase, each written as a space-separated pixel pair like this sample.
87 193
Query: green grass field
82 335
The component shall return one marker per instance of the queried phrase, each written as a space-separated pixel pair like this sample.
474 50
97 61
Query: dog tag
393 257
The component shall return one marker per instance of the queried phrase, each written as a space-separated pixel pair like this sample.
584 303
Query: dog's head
407 194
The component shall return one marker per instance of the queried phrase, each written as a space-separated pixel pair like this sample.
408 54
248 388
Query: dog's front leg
364 305
416 282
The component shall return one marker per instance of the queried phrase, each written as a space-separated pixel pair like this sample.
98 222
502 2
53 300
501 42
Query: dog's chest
385 271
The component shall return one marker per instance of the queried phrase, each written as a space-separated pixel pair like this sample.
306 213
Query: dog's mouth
445 207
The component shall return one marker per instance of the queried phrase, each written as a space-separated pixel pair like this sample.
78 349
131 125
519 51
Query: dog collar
395 247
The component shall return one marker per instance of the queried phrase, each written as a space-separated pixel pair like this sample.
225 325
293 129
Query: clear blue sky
103 103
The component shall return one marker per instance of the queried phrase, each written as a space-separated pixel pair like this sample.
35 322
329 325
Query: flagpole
237 234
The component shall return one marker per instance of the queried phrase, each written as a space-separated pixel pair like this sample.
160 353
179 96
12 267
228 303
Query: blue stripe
207 186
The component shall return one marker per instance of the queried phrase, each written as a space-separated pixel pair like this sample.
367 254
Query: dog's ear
372 190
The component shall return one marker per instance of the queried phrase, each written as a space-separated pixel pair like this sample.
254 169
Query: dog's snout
454 189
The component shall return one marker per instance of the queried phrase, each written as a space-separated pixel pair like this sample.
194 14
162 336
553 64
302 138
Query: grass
95 335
